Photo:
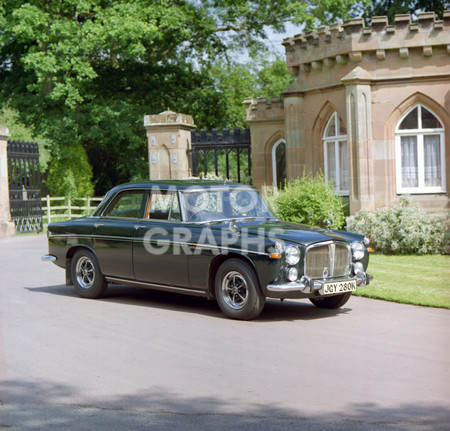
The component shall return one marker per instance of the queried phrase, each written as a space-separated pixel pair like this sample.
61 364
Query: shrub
271 199
404 229
312 201
70 174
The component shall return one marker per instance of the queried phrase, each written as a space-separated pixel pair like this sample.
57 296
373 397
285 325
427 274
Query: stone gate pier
169 143
6 225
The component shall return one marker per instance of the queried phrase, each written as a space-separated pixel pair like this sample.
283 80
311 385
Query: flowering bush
404 229
312 201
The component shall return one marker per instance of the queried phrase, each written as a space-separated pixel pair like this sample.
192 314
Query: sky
275 39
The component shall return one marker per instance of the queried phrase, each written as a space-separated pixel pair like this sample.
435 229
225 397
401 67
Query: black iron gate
225 153
24 186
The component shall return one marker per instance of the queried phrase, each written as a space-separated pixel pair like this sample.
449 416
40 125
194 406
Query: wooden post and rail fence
63 208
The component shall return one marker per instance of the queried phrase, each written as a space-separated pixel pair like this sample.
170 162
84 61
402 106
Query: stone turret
352 42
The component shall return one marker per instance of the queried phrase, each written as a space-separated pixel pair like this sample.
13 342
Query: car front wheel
237 290
87 278
332 302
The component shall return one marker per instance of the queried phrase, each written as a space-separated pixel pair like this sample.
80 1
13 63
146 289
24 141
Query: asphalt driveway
142 359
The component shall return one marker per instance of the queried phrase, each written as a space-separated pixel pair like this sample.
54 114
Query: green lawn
419 280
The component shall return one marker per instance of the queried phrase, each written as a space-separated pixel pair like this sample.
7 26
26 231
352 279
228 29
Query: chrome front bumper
49 258
308 285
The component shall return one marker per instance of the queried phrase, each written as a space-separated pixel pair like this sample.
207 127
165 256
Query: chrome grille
327 260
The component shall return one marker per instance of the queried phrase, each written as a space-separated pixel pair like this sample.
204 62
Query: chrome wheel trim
235 290
85 272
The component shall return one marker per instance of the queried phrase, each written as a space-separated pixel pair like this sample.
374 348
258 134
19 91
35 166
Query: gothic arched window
335 150
420 158
279 164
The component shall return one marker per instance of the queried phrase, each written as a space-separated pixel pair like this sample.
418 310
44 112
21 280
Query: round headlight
358 250
292 274
292 255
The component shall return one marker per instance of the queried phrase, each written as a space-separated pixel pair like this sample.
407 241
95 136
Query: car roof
179 185
191 185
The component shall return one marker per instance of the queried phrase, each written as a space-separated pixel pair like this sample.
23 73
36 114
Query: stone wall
266 121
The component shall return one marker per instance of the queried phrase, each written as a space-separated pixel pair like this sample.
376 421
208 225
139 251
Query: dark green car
207 239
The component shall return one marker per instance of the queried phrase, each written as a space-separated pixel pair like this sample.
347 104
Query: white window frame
337 140
419 133
274 163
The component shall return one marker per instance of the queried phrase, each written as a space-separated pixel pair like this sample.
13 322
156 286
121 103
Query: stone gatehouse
370 107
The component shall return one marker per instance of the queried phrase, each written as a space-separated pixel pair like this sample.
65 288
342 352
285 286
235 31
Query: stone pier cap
4 132
169 118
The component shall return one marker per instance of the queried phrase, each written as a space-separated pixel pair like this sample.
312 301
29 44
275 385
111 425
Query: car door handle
137 227
96 225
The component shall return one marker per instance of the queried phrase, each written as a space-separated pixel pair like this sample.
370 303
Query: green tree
390 8
272 77
86 71
70 174
234 82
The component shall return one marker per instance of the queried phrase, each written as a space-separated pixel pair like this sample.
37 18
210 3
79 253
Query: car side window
164 206
127 206
203 206
175 212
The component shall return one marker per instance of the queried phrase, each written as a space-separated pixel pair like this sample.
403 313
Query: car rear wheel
87 278
332 302
237 290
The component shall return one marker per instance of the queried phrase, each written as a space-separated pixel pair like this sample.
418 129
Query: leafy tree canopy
390 8
84 72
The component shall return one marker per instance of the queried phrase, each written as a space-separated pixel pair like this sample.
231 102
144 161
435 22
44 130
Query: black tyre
332 302
237 290
87 278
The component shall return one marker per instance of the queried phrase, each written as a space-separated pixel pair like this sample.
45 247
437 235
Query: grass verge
418 280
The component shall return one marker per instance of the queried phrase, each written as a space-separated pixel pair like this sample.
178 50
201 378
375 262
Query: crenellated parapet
353 42
264 110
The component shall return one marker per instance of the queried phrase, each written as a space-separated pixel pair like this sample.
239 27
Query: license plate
331 288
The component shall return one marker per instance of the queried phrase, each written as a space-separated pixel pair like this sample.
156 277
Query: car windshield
225 204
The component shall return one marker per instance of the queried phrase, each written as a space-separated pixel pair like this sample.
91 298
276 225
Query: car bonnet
293 233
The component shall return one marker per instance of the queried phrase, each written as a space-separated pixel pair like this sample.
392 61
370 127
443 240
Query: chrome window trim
158 220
